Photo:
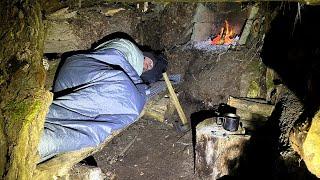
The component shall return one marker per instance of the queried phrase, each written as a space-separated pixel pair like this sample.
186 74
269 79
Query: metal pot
229 121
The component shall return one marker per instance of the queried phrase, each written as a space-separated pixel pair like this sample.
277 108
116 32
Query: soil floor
148 150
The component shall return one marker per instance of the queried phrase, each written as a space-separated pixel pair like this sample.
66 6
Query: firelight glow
226 35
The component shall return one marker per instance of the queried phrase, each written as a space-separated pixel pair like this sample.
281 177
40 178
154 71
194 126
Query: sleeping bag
95 94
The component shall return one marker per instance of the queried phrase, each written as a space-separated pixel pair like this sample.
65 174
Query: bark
24 101
218 155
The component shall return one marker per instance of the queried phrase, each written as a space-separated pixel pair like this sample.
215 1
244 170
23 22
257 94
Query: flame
225 36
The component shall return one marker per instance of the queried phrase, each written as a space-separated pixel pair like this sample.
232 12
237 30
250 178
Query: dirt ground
157 152
149 149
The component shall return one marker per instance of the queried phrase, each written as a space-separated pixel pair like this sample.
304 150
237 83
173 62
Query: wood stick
174 99
124 151
251 106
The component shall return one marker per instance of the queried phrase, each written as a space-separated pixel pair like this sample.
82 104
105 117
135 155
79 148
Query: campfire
226 36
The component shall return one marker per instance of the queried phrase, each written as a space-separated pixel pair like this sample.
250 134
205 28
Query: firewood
157 108
251 106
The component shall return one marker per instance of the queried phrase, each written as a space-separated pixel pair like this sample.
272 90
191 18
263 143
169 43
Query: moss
255 66
256 70
3 149
269 79
24 102
253 90
24 155
312 2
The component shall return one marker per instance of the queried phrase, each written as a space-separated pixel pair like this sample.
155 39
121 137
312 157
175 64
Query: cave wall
24 102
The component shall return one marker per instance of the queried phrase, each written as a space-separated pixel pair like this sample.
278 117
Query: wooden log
60 165
251 121
157 108
214 151
251 106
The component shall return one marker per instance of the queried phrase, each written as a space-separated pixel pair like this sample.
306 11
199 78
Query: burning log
226 35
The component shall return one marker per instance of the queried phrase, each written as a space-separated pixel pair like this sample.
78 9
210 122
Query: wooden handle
174 99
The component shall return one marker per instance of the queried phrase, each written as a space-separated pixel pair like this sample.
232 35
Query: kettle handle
220 121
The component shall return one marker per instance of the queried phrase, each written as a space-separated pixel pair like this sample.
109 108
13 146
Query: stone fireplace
213 20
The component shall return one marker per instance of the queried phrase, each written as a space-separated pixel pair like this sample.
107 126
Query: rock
203 22
83 172
311 147
252 80
60 38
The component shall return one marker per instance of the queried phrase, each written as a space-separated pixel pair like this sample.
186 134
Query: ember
225 37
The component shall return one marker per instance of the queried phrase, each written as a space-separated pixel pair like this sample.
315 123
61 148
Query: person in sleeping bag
96 94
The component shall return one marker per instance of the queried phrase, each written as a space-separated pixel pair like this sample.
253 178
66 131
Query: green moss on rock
253 90
24 102
269 79
252 80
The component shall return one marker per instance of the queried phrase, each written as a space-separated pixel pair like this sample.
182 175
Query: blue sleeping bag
96 94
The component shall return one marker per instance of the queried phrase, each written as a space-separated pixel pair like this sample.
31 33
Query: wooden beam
60 165
308 2
251 106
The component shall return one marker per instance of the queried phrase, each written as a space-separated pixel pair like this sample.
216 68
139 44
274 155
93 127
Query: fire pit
218 28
